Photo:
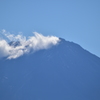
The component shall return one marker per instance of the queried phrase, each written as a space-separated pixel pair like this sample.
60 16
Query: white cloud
36 42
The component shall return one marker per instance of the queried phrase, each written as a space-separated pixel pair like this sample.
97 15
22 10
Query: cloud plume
33 43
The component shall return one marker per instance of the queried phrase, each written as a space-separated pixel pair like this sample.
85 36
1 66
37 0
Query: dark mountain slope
64 72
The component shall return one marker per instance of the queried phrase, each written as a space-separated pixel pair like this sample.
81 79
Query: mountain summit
63 72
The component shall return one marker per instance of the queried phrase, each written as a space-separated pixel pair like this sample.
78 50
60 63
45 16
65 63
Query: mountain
15 44
63 72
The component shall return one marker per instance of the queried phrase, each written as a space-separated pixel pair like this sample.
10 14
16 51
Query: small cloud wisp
34 43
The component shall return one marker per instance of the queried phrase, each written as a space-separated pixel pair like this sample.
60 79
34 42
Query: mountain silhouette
63 72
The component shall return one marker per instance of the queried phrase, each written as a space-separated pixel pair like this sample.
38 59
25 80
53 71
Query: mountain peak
14 43
63 72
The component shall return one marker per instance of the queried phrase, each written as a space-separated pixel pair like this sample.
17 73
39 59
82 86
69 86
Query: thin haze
33 43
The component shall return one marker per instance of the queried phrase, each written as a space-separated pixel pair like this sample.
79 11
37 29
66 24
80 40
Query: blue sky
74 20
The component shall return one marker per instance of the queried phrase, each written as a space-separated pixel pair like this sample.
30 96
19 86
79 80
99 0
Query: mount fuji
65 71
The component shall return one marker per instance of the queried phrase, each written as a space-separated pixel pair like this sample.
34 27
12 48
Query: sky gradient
73 20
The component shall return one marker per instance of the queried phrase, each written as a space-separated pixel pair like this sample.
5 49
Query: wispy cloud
35 42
